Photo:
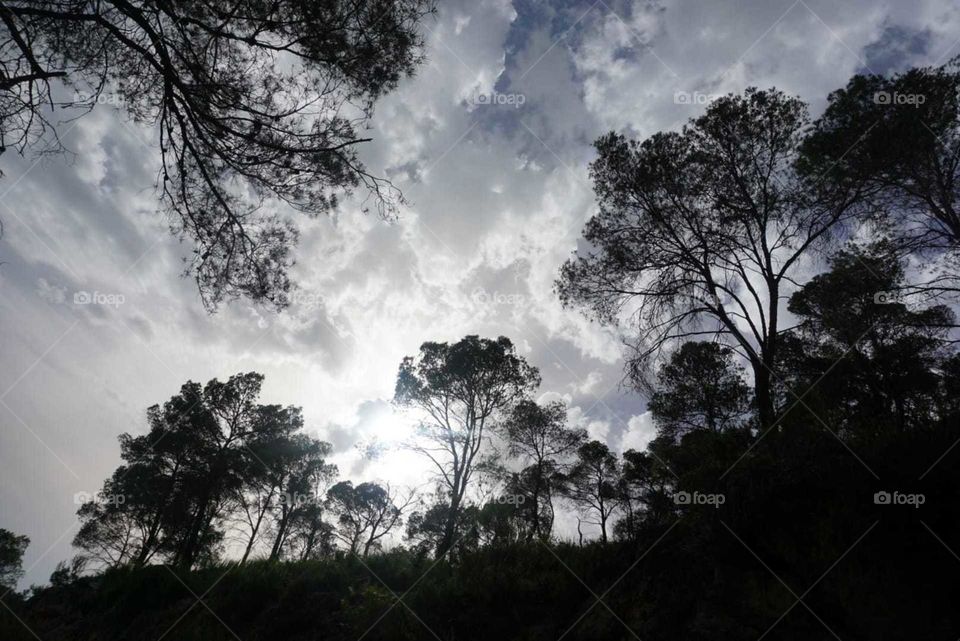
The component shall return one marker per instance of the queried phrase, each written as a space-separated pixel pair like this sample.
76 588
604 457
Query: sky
490 143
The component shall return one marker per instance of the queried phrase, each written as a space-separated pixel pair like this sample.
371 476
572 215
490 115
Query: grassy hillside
521 592
695 581
800 548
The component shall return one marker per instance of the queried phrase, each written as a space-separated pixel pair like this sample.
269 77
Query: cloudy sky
490 145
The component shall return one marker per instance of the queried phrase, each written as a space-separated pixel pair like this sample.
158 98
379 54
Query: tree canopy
701 232
255 103
12 547
460 389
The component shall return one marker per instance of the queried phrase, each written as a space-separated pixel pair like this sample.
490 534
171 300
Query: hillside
810 529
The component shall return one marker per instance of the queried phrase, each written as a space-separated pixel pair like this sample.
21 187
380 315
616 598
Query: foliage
206 448
365 514
701 231
538 436
701 387
896 140
12 547
460 389
253 100
592 484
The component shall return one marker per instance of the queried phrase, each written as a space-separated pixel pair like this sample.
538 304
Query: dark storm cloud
895 50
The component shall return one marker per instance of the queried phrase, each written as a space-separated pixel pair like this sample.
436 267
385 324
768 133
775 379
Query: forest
785 286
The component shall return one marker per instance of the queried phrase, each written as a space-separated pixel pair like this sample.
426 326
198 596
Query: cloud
640 431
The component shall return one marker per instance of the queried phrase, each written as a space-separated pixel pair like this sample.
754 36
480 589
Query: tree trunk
188 551
253 537
450 527
147 548
763 393
281 534
603 524
535 530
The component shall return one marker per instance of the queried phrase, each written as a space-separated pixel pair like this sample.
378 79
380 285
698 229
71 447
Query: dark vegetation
803 483
257 103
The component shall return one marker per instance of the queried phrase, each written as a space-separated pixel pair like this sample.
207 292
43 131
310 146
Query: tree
898 140
180 481
592 484
277 481
224 417
501 522
263 99
428 529
700 388
128 520
878 353
699 232
254 499
302 477
460 389
646 489
12 547
310 536
365 514
111 535
539 436
67 572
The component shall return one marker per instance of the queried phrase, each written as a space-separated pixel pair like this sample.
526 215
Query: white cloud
640 431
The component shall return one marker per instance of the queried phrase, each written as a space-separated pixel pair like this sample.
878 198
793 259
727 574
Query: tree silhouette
538 435
703 230
897 139
365 514
12 547
276 481
646 488
699 388
199 459
263 99
460 389
428 529
310 536
592 484
879 353
302 477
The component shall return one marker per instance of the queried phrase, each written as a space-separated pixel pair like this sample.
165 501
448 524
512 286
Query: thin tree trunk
253 537
603 523
535 531
449 530
763 394
278 540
